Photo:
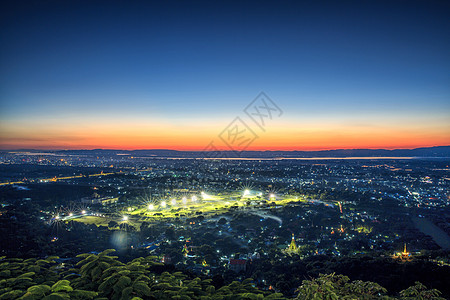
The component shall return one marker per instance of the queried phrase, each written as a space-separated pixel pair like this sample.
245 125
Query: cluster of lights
71 214
173 202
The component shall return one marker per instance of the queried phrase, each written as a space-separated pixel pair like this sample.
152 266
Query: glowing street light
71 214
184 200
83 212
173 202
125 218
246 192
151 207
205 196
194 198
163 204
272 195
57 217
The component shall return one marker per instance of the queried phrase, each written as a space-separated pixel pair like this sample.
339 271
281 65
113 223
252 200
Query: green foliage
5 273
11 294
420 292
57 296
37 291
104 277
333 287
80 294
92 265
62 285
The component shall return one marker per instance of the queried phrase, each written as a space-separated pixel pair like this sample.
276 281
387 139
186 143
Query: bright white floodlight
163 204
125 218
151 206
205 196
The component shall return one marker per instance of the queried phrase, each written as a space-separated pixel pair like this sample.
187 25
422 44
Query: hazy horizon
224 150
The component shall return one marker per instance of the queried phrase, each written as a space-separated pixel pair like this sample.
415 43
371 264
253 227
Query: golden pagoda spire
405 253
292 246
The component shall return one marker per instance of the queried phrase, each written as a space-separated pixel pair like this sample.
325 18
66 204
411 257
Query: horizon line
219 150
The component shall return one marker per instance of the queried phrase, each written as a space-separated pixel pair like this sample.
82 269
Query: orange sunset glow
282 136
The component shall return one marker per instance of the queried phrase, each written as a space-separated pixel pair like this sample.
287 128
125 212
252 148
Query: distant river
439 236
302 158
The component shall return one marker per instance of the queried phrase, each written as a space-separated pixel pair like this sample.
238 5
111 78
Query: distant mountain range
439 151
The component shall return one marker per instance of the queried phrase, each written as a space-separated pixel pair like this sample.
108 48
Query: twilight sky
173 75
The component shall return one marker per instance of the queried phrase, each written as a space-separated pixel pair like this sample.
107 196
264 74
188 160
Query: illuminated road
54 179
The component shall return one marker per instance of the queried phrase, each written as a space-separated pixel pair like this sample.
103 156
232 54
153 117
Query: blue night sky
68 65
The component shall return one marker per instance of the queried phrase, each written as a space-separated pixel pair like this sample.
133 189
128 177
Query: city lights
284 150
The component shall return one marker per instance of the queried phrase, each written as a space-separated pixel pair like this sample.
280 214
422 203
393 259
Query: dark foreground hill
102 276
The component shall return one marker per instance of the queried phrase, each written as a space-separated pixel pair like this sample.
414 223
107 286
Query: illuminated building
292 249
